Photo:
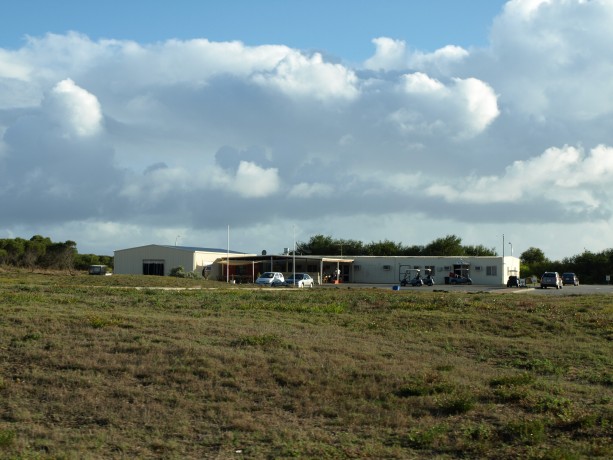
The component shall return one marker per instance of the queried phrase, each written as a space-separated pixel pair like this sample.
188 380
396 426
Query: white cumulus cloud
390 54
253 181
563 175
305 191
299 75
75 109
462 109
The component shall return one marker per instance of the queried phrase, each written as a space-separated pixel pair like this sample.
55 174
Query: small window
492 270
387 267
478 268
356 268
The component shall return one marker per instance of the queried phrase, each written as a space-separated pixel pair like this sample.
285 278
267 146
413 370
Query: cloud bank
115 143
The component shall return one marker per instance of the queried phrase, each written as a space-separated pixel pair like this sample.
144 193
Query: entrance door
461 270
153 267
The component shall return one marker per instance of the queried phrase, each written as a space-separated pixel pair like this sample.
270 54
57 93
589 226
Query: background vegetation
592 268
41 252
117 367
450 245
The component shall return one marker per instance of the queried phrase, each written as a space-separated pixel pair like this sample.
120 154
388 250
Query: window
478 268
491 270
430 269
356 268
387 267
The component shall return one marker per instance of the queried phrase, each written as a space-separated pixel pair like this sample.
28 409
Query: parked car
301 280
460 280
98 270
551 279
271 279
513 281
570 278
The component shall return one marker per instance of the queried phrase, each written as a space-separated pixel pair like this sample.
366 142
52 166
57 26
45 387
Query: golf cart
416 279
459 279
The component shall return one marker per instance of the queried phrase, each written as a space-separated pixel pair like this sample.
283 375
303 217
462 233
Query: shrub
525 431
6 437
456 404
178 272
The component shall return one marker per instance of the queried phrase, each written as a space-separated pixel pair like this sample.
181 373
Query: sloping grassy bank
106 372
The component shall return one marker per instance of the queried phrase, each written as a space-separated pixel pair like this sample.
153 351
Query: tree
450 245
533 255
350 247
384 248
15 249
318 244
33 251
591 267
414 250
479 250
61 255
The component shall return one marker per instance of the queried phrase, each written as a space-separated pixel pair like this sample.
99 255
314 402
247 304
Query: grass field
91 367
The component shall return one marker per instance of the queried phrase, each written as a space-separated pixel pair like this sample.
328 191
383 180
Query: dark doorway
153 267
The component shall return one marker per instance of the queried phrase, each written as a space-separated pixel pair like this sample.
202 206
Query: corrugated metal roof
196 249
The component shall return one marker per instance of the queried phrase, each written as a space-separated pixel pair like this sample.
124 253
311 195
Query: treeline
41 252
590 267
449 245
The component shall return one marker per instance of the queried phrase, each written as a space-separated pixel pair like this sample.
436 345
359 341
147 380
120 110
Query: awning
239 262
248 260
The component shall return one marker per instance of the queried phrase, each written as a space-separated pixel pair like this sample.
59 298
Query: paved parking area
566 290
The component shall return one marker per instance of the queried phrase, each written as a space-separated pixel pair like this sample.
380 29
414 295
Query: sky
264 123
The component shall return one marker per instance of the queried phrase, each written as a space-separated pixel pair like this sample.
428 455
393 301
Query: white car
271 279
301 280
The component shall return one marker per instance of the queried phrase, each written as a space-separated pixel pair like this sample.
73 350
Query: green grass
92 367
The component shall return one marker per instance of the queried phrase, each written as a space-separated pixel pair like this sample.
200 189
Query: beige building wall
130 261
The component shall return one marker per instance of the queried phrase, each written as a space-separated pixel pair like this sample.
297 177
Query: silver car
551 279
301 280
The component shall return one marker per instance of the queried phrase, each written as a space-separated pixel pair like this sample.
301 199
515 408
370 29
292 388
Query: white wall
482 270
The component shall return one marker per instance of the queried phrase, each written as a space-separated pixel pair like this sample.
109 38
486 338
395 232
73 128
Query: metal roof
198 249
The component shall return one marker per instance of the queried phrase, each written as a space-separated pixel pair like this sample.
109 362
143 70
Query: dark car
513 281
570 278
460 280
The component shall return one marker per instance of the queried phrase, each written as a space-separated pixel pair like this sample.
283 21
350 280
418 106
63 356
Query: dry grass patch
108 372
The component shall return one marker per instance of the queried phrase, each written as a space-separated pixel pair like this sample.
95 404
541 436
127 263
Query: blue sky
130 123
342 28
